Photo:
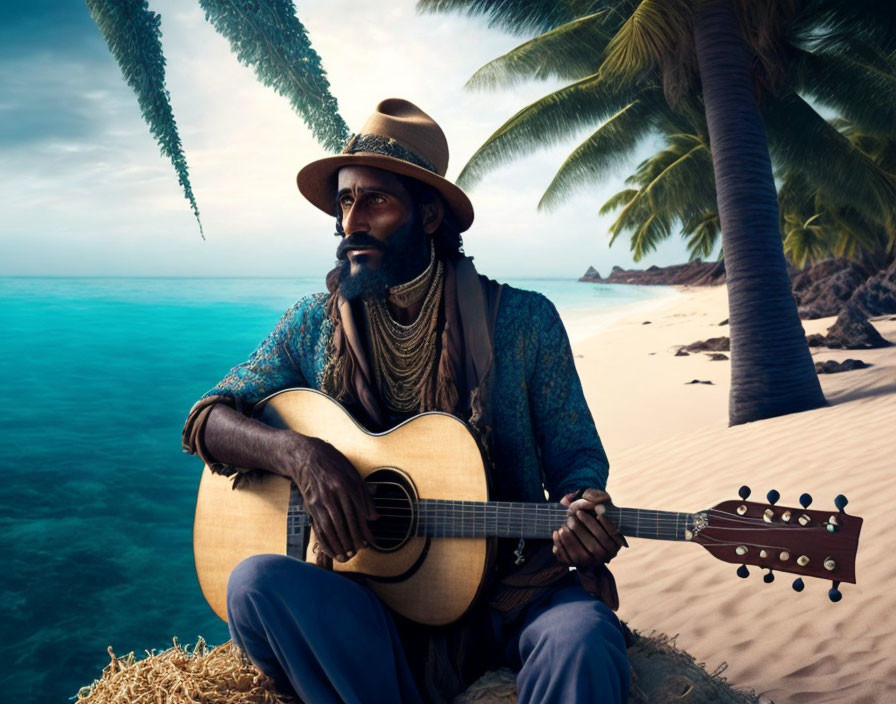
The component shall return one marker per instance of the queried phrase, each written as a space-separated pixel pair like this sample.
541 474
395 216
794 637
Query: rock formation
832 366
695 273
852 331
877 296
821 290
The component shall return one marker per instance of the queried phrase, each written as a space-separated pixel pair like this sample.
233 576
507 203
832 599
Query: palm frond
702 234
805 242
838 24
545 122
267 36
654 31
571 51
610 144
133 33
845 82
519 16
653 230
618 200
801 139
676 186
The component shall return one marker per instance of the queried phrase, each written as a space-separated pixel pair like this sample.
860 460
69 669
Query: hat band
386 146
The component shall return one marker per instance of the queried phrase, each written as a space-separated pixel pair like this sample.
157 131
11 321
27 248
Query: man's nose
354 220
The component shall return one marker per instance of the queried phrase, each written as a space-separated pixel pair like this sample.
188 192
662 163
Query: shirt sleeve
270 368
571 451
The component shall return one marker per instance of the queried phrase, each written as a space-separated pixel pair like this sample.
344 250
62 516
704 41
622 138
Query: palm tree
625 56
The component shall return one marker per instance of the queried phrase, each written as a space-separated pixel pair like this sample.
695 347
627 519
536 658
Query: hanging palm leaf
267 36
570 51
133 34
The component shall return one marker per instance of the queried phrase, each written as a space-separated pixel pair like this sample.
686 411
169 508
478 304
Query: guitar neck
438 518
506 519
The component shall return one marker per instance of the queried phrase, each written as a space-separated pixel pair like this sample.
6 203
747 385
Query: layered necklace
403 357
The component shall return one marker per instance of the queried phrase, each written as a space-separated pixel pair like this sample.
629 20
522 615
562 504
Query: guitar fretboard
506 519
440 518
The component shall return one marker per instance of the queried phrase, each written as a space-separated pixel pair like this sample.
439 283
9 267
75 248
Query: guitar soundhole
396 502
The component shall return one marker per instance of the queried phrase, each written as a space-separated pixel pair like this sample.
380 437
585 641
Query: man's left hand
589 538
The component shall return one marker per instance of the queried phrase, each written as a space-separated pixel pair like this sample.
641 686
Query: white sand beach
670 448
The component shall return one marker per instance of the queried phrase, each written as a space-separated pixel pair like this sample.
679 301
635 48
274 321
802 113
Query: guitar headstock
804 542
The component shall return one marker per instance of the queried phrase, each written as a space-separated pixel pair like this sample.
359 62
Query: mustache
359 240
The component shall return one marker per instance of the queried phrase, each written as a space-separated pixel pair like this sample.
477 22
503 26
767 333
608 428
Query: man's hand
588 539
332 491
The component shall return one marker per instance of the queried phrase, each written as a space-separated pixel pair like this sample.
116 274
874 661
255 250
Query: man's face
384 243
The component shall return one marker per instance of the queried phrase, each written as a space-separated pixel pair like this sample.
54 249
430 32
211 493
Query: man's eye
346 202
377 199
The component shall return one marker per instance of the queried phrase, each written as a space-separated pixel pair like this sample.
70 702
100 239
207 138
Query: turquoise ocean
96 497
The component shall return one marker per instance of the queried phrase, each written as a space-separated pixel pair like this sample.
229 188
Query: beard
405 256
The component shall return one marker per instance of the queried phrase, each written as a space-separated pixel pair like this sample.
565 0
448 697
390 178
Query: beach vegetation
134 36
673 191
265 35
741 65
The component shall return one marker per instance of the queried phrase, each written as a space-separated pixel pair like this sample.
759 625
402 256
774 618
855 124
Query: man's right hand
332 490
333 493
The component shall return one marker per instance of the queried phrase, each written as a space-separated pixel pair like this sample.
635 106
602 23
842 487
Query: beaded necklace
403 357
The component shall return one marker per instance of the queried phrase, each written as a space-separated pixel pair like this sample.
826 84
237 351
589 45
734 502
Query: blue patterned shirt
543 435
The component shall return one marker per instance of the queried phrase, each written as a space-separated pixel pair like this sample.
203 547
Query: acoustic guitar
435 538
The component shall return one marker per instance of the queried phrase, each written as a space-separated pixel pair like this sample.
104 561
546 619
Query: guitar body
433 582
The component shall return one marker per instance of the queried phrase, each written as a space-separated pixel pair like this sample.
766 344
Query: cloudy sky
84 191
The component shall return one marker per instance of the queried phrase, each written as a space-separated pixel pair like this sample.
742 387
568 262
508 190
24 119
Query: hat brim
317 182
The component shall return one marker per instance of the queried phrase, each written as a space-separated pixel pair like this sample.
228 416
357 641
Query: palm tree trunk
771 369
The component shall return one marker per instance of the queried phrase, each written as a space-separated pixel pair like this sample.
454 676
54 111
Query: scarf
351 377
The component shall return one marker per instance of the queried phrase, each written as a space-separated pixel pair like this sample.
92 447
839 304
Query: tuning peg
744 492
805 500
743 572
840 502
769 577
798 584
773 497
834 593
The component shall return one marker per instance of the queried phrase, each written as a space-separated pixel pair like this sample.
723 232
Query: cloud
62 27
84 190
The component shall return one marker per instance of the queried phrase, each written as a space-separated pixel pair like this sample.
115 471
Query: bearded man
408 326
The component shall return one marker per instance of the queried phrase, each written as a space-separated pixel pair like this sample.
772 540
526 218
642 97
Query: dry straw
661 674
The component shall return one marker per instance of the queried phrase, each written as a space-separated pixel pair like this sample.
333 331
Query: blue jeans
330 639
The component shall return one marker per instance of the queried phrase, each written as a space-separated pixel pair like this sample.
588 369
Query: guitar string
494 512
438 522
439 512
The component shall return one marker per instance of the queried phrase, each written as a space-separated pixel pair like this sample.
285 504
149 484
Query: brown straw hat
398 137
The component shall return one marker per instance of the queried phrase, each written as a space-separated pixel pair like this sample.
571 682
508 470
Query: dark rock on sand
713 344
815 340
823 289
697 381
877 296
724 322
832 366
852 331
717 357
682 353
